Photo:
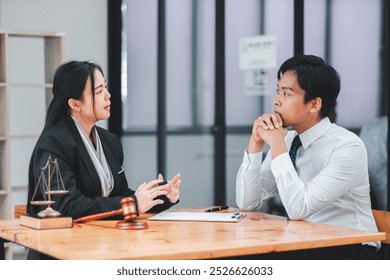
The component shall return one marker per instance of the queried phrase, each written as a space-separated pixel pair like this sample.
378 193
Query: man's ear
316 105
74 104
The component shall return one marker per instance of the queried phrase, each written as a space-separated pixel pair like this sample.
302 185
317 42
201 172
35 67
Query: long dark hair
69 82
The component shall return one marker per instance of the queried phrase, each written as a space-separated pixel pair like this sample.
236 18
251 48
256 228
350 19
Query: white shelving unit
17 50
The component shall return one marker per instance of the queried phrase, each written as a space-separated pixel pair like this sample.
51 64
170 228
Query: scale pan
57 192
42 202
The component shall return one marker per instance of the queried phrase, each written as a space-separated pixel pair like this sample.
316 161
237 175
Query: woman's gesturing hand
173 185
146 194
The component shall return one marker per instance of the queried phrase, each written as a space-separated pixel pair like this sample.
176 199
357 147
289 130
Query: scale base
49 212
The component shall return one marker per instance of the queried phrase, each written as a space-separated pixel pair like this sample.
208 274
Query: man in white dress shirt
328 182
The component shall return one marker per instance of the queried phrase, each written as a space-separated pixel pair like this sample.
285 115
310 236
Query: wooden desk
257 233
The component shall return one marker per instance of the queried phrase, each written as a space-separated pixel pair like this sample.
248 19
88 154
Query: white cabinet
27 64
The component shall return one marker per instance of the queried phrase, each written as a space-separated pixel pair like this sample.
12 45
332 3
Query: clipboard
198 217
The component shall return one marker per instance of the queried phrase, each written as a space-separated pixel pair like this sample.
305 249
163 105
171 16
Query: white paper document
198 217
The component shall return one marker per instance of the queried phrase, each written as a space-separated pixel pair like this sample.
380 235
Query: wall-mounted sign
258 52
257 56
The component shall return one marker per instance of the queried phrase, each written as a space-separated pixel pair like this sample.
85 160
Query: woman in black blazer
89 157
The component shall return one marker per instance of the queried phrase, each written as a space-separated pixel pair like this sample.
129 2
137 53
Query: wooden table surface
256 233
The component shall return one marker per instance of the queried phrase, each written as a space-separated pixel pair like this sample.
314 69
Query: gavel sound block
127 210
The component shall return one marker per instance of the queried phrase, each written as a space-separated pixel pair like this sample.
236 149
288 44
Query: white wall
84 24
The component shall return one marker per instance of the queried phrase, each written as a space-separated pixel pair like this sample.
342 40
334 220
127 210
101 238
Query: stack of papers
198 217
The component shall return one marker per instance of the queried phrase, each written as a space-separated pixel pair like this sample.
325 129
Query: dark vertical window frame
385 59
194 64
161 89
220 117
298 27
262 31
114 28
384 72
328 20
243 129
328 43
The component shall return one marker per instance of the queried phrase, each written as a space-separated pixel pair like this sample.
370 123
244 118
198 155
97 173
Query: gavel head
129 211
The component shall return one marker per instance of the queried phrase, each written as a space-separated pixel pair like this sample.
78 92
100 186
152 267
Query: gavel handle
98 216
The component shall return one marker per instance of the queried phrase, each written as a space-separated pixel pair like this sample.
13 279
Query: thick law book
45 223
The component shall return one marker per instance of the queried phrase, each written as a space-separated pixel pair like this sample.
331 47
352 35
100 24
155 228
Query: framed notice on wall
257 55
257 52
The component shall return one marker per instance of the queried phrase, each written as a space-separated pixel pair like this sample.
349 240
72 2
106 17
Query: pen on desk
215 209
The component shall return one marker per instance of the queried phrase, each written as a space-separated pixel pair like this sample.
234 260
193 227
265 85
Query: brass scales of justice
44 184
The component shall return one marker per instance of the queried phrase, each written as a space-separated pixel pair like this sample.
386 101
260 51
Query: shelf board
4 192
32 34
23 136
19 188
30 85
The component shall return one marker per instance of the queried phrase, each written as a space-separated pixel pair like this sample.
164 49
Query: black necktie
296 143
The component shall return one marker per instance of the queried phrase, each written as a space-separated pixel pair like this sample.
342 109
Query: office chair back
382 220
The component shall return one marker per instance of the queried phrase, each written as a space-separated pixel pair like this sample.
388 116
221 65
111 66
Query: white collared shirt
330 184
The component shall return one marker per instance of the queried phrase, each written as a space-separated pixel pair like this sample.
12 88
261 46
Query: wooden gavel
128 211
